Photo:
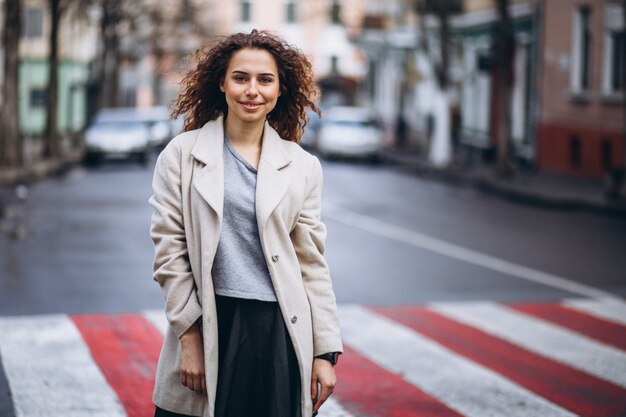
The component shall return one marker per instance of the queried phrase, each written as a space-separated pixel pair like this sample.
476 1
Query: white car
350 131
117 140
127 133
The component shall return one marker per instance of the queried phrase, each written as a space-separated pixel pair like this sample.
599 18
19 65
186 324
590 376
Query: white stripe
604 309
442 247
539 336
50 370
462 385
331 408
157 319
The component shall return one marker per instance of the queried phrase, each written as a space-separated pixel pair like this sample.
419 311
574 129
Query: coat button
275 258
294 319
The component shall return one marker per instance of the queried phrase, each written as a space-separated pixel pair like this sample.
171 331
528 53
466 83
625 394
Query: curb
10 178
458 177
38 171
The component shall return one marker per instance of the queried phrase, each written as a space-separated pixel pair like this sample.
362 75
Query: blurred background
532 84
474 155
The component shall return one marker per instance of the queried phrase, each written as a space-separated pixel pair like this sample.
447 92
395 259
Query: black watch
331 357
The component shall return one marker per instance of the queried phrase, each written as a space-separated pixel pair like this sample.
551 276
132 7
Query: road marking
599 329
442 247
50 370
462 385
541 337
615 312
398 362
370 390
126 349
570 388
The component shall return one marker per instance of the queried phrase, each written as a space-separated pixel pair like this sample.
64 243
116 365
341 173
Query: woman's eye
266 80
239 78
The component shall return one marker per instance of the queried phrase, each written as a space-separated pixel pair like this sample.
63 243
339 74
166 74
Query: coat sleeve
309 237
171 267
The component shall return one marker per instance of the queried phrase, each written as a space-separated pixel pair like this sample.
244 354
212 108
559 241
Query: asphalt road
80 244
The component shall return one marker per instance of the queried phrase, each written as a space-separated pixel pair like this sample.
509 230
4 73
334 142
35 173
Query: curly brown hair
201 100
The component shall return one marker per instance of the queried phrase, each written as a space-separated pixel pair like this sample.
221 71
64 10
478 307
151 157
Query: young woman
239 242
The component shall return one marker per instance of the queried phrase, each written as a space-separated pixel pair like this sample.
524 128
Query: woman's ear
222 86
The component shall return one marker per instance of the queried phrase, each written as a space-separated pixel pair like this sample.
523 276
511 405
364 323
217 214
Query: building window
291 11
335 12
33 23
617 61
581 48
37 97
246 10
614 54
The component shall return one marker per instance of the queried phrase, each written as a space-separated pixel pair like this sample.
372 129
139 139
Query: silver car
124 133
117 140
350 131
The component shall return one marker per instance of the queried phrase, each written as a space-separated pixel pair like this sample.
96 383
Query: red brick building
580 125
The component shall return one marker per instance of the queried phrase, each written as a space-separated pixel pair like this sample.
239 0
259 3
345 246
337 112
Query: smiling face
250 85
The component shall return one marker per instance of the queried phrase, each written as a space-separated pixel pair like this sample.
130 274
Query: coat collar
272 180
208 150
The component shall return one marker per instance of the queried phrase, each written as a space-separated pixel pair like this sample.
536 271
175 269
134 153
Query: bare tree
110 53
52 140
11 154
504 45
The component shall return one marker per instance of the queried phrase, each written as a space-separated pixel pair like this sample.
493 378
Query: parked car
350 131
127 133
311 130
117 140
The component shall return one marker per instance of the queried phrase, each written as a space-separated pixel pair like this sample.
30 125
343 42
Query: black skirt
258 371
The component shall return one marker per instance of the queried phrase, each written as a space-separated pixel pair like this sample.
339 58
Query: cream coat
188 201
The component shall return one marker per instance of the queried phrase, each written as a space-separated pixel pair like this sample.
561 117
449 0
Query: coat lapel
209 150
272 180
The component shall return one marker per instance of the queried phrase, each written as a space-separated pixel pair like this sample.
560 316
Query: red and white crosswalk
477 359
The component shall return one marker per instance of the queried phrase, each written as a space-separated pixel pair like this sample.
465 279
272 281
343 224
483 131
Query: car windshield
118 126
353 123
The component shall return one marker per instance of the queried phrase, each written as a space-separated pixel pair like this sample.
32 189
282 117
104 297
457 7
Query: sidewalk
10 178
541 189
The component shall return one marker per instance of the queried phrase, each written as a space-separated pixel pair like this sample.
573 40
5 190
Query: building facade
580 128
77 48
475 31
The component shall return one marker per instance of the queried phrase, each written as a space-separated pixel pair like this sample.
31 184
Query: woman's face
251 85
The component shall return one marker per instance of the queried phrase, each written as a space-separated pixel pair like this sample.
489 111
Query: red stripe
605 331
365 389
126 348
574 390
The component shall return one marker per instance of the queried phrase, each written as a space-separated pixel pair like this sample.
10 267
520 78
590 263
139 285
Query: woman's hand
192 373
323 374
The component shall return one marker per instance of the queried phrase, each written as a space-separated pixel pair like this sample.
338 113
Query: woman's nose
251 90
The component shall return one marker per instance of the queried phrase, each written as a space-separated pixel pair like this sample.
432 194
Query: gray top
239 268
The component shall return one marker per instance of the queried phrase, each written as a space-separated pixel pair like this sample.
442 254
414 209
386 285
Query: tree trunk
52 140
505 52
11 154
624 88
109 88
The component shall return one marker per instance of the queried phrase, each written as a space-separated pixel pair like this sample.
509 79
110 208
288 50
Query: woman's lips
250 105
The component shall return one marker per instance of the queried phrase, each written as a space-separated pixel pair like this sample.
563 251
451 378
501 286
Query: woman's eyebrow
246 73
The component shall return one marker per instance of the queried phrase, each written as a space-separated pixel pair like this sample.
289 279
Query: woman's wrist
192 333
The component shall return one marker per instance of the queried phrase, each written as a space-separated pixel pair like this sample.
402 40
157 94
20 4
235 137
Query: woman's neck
244 134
